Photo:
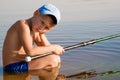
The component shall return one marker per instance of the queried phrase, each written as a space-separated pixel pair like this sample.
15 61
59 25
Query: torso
12 48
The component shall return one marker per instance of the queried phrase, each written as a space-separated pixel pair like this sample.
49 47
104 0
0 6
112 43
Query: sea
99 61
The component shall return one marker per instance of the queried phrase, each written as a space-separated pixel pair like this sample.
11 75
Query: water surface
89 19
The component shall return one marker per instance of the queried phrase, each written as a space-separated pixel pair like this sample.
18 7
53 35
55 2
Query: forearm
39 50
44 40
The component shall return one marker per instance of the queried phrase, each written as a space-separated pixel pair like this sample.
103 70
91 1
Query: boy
24 33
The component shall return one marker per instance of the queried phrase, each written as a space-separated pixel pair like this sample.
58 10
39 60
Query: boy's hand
57 49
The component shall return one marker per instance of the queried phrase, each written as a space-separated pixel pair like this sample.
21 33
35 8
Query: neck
29 23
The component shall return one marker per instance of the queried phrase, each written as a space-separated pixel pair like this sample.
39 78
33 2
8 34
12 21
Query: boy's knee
57 58
47 62
54 61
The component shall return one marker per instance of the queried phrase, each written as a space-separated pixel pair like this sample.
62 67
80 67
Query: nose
41 27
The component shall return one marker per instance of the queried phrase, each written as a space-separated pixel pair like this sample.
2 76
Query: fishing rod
82 44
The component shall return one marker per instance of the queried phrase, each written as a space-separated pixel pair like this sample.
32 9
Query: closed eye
46 27
43 23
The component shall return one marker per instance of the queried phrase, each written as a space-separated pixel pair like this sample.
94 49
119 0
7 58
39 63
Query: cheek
35 22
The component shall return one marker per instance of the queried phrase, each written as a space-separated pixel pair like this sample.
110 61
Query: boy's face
42 23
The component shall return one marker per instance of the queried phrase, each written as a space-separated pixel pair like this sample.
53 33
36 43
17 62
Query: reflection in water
82 75
43 74
90 74
22 76
53 74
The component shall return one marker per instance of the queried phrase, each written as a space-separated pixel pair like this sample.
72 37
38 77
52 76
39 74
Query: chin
41 32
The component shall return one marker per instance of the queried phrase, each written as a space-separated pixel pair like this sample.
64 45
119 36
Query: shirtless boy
22 35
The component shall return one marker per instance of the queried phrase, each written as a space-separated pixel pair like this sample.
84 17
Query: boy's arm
42 40
27 41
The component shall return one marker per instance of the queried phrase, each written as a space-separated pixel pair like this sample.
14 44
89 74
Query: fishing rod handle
29 58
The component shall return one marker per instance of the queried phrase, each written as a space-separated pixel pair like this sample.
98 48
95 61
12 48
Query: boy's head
52 11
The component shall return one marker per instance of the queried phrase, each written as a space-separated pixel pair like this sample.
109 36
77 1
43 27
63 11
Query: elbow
30 52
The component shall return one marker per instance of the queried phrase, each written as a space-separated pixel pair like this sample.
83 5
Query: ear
36 12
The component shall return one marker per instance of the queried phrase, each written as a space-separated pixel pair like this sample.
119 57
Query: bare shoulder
21 25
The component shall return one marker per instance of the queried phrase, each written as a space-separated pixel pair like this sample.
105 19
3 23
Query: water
94 19
100 57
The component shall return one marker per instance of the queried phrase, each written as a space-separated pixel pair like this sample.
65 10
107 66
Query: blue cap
51 10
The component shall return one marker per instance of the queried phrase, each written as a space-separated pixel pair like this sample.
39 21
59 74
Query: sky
71 10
